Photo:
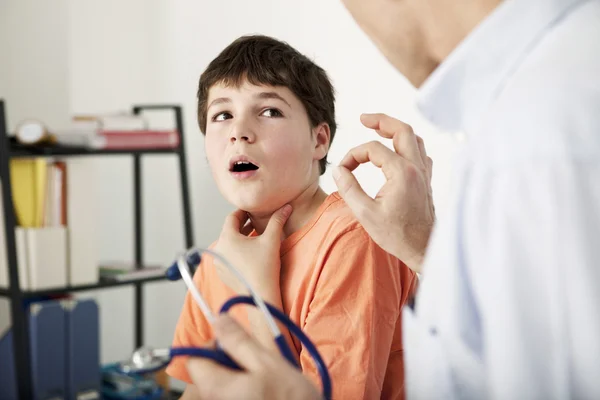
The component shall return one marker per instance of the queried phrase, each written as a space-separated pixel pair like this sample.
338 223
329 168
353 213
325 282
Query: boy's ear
322 139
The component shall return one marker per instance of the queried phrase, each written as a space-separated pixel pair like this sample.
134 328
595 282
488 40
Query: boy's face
260 146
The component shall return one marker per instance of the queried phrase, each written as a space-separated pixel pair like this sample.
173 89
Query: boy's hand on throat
256 257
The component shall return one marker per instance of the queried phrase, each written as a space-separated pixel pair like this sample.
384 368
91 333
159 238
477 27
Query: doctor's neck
304 206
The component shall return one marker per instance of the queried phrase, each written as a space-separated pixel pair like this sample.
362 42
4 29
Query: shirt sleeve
192 330
532 246
354 316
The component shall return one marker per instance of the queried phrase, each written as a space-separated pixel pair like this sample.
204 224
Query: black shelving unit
10 149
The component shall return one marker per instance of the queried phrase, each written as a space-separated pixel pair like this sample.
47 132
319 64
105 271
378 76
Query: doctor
508 306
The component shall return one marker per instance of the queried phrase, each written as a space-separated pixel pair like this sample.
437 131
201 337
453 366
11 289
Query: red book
137 139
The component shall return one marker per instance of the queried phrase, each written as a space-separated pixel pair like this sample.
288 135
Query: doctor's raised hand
401 216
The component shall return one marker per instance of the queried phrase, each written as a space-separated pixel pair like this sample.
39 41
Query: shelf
11 148
16 150
70 289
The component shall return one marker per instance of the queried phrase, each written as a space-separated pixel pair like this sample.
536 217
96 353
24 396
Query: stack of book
116 131
122 272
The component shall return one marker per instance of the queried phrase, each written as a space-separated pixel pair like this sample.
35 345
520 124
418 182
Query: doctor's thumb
351 191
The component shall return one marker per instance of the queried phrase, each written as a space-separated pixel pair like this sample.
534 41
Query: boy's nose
242 134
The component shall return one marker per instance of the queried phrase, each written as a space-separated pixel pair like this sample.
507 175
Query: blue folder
65 352
47 325
8 378
83 349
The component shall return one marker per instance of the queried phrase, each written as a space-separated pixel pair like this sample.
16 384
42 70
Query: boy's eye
222 116
272 113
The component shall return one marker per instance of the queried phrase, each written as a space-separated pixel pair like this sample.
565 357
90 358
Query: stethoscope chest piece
145 359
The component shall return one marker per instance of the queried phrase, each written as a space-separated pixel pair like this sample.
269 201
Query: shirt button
460 136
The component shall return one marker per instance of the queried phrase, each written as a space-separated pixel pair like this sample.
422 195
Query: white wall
33 60
119 53
119 57
324 31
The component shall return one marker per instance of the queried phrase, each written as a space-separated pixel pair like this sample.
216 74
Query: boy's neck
304 206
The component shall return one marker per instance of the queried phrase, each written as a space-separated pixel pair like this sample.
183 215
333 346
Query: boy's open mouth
243 166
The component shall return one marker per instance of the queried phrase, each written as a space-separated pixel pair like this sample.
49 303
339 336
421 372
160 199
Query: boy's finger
236 342
277 221
352 193
236 220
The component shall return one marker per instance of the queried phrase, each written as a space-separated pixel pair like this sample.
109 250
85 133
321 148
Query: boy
268 116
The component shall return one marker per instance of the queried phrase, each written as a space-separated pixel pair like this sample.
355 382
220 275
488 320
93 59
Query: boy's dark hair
262 60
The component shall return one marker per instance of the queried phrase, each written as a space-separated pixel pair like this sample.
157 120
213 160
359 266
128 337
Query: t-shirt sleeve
192 329
354 316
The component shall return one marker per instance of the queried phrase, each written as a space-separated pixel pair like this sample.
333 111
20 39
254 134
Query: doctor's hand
266 374
401 216
256 257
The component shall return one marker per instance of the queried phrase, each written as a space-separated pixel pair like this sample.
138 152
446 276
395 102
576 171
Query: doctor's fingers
211 378
427 161
376 153
238 344
402 135
352 193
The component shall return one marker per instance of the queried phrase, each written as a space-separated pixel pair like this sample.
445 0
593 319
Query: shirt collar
458 92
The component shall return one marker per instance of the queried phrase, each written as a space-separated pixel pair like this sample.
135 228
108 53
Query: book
55 199
147 139
81 218
121 272
29 184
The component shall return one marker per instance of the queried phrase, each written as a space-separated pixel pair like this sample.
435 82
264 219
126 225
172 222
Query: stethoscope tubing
181 269
222 358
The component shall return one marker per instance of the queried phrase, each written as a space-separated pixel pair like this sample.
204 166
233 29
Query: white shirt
509 302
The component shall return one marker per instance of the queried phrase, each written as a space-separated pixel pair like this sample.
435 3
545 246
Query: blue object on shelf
83 349
119 386
47 326
8 377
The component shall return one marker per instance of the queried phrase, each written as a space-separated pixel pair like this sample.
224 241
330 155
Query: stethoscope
145 360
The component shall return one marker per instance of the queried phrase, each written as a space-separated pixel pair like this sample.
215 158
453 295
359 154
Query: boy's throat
304 207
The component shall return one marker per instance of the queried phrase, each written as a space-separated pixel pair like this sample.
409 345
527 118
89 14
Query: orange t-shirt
342 290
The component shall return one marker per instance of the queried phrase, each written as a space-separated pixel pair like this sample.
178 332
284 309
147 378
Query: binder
83 350
46 257
3 248
56 237
8 376
81 221
47 324
22 263
28 181
7 366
